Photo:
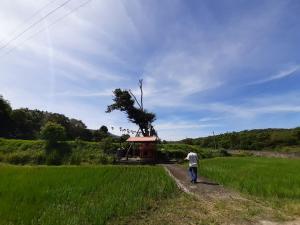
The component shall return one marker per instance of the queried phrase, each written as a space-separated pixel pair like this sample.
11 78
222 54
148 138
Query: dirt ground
203 189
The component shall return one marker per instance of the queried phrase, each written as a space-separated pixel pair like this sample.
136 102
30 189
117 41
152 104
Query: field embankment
79 195
35 152
179 151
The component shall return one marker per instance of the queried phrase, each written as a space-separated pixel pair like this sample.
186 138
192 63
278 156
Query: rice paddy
79 195
264 177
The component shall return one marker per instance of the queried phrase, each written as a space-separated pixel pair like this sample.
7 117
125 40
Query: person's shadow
207 183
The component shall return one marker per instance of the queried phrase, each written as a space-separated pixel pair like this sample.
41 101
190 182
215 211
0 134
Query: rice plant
78 195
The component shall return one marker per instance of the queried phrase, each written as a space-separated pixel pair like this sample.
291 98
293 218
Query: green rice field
79 195
264 177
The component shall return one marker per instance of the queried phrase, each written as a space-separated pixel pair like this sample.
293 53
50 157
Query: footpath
209 191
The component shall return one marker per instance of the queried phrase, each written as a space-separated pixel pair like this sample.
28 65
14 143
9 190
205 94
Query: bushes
70 152
75 158
108 146
180 151
24 157
54 158
53 133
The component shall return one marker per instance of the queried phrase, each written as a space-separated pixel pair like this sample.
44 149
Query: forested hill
258 139
25 123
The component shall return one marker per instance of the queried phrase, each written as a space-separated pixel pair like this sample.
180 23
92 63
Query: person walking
192 157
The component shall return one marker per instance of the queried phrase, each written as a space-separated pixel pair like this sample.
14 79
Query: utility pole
141 88
215 140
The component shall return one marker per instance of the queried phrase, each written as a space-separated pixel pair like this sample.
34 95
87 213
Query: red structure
147 147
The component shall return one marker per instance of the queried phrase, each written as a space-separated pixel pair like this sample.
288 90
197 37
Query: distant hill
257 139
26 123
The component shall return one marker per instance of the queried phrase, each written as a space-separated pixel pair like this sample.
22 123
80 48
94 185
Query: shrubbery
67 152
24 157
53 133
180 151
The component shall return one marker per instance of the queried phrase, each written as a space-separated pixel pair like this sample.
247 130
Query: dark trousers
193 174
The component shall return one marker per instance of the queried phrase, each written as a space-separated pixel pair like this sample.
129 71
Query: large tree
124 101
5 117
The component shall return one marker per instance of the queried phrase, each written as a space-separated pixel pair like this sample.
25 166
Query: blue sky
207 65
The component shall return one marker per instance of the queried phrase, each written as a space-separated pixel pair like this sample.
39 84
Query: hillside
287 140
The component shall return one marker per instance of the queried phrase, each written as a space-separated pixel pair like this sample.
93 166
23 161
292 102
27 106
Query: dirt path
204 188
209 192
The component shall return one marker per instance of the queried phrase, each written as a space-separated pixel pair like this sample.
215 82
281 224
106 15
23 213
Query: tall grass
78 195
263 177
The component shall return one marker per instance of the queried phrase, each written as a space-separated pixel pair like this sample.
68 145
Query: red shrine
147 147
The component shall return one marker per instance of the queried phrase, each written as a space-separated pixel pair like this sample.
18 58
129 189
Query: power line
29 18
34 24
50 25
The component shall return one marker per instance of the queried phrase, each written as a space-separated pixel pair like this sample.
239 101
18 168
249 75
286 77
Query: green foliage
54 157
5 118
108 146
69 152
10 145
26 124
250 140
264 177
79 195
23 157
124 137
104 129
53 132
180 151
125 103
99 135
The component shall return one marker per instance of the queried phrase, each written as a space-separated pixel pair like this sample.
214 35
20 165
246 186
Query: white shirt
193 159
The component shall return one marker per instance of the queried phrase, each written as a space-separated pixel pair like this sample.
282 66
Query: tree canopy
26 123
124 102
5 117
53 132
257 139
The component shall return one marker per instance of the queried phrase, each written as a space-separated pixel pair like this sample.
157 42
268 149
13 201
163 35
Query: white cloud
104 93
281 74
110 44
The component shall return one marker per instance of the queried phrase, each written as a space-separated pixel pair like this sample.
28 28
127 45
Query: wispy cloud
194 59
105 93
280 75
181 125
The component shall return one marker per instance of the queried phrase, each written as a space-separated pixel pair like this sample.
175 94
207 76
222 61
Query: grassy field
79 195
273 179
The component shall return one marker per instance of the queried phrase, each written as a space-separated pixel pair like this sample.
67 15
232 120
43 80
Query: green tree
76 129
5 118
297 133
53 133
104 129
124 137
124 102
108 146
27 123
101 133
